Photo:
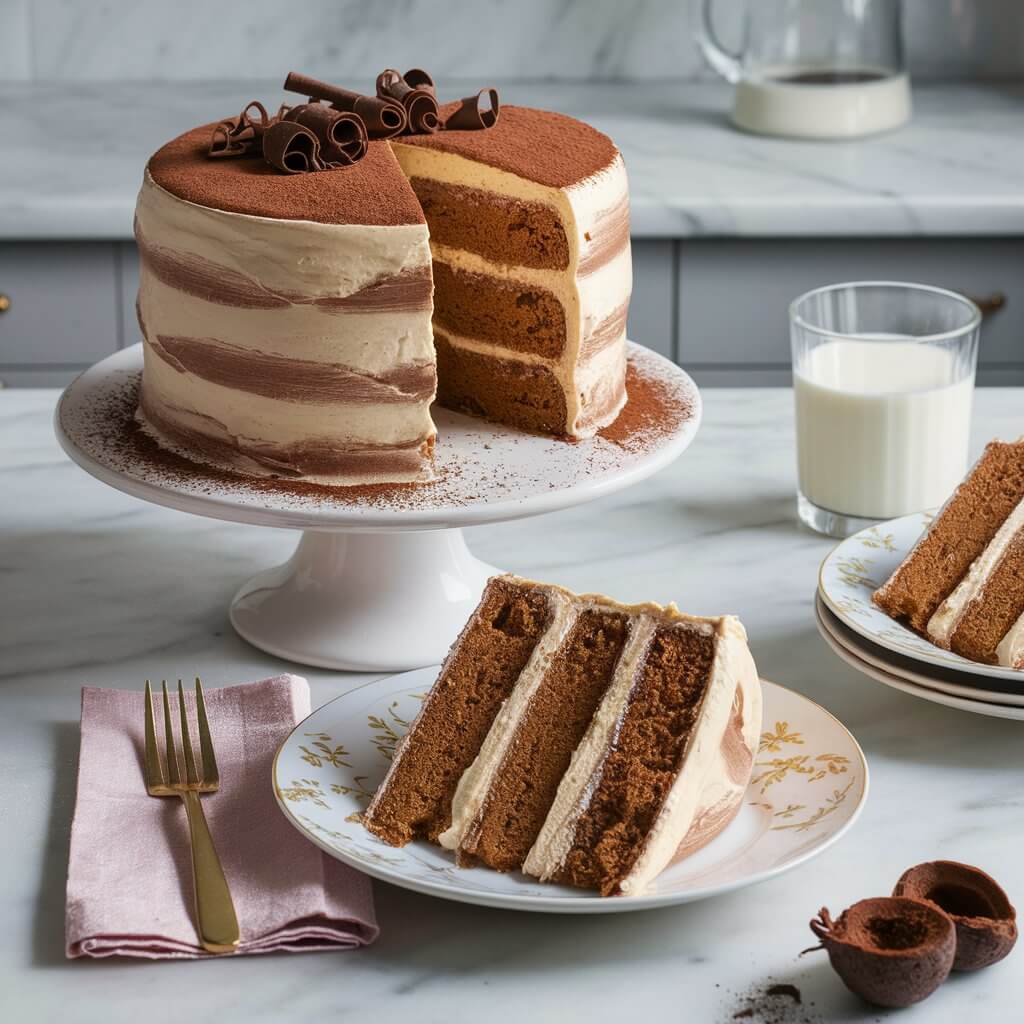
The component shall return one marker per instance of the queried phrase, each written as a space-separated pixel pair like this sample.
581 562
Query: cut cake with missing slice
584 741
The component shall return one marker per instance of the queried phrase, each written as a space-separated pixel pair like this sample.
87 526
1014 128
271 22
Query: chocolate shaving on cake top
333 128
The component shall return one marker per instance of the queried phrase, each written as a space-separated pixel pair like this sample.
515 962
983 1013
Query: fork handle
218 926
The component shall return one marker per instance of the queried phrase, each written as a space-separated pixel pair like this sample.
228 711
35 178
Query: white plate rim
866 653
876 626
913 689
586 904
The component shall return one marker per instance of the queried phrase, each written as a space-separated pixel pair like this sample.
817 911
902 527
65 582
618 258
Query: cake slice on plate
962 585
584 741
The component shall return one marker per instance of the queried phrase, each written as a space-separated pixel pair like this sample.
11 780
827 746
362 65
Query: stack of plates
871 642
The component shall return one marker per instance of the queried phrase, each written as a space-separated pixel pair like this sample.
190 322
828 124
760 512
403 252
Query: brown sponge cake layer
554 722
519 394
416 797
986 620
506 231
644 760
522 318
958 536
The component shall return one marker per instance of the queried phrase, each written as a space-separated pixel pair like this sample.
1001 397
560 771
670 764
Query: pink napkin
130 878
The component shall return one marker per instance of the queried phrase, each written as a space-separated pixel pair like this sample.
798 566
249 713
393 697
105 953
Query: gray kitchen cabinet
62 310
128 267
652 307
733 297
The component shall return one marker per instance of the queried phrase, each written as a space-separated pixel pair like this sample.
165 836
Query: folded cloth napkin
130 876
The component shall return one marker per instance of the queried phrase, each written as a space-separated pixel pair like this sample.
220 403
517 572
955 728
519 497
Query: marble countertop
73 158
99 588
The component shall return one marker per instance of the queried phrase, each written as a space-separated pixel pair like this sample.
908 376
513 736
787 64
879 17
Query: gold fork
215 913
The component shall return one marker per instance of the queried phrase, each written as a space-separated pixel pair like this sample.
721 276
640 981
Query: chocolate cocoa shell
984 918
891 951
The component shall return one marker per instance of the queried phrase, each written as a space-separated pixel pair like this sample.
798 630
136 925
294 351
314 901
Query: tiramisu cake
285 302
583 741
962 586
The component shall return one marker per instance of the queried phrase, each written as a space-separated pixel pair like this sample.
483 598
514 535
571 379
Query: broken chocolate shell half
986 923
891 951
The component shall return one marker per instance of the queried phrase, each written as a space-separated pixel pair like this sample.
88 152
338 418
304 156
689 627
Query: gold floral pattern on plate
860 565
326 772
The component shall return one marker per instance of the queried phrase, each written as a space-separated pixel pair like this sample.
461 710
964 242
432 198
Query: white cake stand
379 581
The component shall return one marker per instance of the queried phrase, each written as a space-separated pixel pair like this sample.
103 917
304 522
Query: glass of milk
883 374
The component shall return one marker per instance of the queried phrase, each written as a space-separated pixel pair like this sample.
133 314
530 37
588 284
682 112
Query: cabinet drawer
651 308
128 268
63 303
734 295
39 376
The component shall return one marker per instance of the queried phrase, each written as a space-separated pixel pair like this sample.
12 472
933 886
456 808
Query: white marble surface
98 588
81 40
956 169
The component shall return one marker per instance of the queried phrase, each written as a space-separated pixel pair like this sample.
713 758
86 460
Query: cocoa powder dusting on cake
539 145
373 191
654 410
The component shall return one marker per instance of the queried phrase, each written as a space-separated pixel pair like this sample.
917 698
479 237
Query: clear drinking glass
816 68
883 376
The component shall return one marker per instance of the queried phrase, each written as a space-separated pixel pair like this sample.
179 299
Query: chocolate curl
342 135
472 113
292 148
222 143
383 117
420 102
240 135
419 79
258 124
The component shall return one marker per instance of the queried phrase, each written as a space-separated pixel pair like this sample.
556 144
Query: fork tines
165 773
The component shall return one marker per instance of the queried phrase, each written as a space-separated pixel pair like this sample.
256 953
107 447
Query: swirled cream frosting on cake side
286 347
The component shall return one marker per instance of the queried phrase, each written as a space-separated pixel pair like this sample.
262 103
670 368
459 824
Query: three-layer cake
286 318
584 741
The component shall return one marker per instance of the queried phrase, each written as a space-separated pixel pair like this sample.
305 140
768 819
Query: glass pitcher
813 68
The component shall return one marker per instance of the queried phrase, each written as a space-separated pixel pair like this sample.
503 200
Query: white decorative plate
809 785
861 564
945 680
978 707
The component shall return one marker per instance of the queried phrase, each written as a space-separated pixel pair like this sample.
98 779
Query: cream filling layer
587 300
284 256
370 342
703 780
477 779
270 421
577 786
943 622
1010 651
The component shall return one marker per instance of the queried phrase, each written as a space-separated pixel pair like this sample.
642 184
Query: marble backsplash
96 40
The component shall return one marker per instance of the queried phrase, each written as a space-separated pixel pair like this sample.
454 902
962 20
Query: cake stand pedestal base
366 602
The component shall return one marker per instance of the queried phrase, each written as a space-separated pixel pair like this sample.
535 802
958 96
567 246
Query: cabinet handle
989 304
5 303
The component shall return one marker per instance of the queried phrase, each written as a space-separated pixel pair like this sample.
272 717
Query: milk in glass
882 425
